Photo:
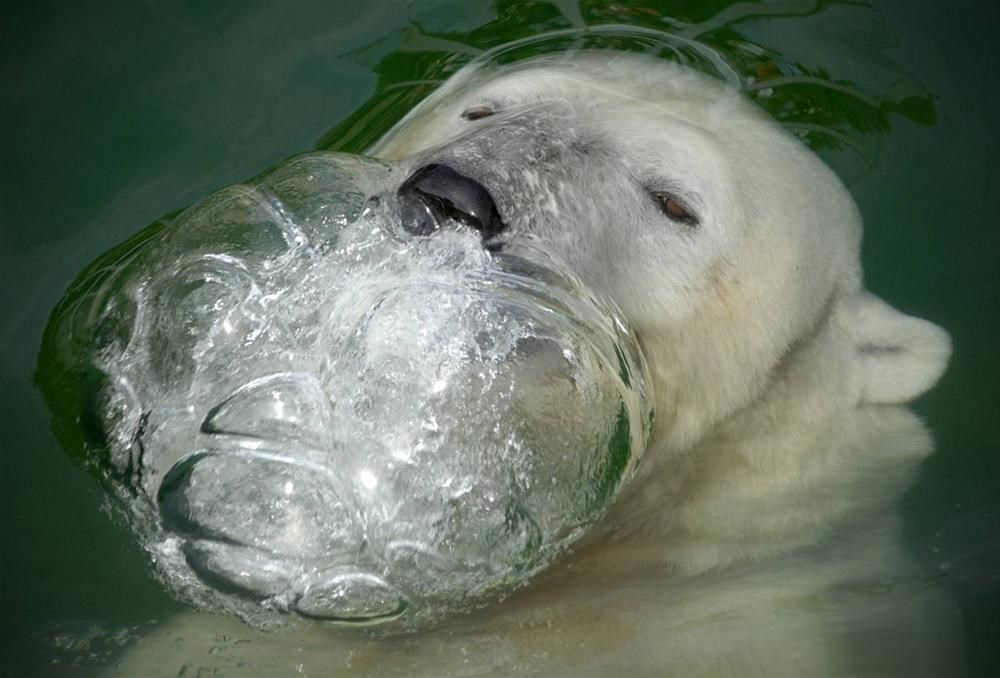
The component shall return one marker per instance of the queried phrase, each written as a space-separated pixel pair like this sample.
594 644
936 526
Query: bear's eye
674 208
477 113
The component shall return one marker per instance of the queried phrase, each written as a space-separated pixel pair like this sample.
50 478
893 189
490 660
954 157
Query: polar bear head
722 238
730 247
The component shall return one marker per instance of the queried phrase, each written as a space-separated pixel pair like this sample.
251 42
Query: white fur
762 517
762 343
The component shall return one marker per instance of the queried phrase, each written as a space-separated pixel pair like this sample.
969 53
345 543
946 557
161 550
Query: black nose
437 193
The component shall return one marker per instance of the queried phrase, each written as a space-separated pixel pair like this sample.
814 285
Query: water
132 112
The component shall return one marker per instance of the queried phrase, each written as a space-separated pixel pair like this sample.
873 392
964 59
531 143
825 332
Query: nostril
436 193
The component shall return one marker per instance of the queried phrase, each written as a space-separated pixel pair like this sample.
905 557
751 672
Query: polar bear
759 535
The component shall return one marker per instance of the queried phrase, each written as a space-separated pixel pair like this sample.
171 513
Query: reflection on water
821 69
799 76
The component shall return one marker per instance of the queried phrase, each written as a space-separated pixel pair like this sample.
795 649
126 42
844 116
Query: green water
115 113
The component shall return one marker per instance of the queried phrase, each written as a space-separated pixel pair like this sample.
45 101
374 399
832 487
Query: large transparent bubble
306 410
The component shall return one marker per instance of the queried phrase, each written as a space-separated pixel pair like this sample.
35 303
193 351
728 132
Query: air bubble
352 598
241 570
316 414
241 498
280 407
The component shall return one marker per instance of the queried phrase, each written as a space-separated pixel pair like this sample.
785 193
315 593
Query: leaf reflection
839 101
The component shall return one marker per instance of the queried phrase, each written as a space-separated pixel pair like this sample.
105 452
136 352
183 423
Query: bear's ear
900 356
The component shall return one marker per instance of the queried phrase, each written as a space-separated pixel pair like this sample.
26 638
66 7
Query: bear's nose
436 193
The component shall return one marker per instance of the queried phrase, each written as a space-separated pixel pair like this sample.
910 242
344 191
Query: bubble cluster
306 410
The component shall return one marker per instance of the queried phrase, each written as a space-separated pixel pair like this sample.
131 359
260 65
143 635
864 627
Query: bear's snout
437 193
